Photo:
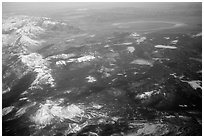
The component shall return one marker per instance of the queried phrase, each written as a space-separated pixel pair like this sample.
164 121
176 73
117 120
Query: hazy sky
46 9
12 6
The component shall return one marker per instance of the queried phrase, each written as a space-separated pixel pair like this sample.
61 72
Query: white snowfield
27 41
36 63
13 23
28 28
166 47
24 31
51 110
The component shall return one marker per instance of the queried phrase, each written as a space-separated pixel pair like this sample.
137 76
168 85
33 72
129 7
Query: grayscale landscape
102 69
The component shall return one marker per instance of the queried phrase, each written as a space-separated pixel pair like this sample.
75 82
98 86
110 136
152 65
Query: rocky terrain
127 84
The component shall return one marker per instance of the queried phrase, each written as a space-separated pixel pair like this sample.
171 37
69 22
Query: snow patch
142 62
60 62
81 59
145 95
174 75
130 49
114 79
24 109
167 38
140 40
183 105
68 91
135 34
7 110
69 40
135 73
170 116
85 58
195 84
106 46
24 98
92 35
106 71
47 23
197 35
6 90
166 47
127 43
96 106
91 79
62 56
174 42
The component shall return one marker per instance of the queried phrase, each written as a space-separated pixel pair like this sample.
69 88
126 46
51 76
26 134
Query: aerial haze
102 69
